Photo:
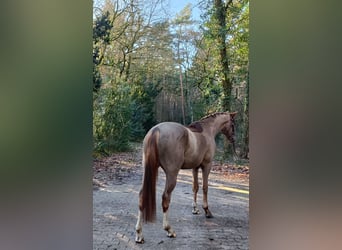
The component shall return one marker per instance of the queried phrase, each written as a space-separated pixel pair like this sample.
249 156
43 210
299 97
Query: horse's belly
188 164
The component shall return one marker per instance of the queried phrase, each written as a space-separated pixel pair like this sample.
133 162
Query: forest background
151 66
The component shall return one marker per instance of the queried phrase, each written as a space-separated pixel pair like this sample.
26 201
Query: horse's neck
213 127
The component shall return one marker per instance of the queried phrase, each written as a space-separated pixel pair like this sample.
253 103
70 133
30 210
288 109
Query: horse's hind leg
139 238
205 175
195 210
169 186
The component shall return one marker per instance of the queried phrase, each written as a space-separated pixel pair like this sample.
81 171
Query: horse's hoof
209 216
195 211
208 213
139 240
171 234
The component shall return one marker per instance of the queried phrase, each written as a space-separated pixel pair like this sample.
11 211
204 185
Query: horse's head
229 131
229 128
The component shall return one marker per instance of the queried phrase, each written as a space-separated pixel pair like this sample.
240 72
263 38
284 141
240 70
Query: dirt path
117 181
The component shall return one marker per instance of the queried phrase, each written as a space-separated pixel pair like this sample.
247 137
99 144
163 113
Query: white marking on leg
165 220
139 238
195 210
170 233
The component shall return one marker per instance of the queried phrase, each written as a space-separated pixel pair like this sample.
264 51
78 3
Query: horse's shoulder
196 127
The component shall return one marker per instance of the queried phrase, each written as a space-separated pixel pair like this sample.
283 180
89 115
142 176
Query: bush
112 119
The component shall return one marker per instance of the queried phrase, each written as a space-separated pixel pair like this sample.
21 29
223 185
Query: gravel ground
117 181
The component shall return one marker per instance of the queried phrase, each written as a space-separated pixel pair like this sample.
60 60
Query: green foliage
122 113
139 64
207 70
143 117
101 33
97 79
112 119
101 28
125 89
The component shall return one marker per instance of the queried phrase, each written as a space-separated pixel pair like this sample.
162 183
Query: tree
126 92
220 32
153 68
183 37
101 33
222 60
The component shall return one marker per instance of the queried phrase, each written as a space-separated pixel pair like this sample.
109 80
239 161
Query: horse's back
171 134
168 129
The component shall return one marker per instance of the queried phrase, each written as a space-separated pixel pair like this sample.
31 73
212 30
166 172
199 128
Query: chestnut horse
173 147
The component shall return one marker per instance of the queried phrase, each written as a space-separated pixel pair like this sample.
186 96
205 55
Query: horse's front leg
195 210
205 175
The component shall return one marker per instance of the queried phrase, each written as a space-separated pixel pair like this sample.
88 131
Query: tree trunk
246 132
220 13
181 81
182 92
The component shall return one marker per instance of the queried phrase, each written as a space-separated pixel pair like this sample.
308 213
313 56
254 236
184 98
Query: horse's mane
197 125
213 115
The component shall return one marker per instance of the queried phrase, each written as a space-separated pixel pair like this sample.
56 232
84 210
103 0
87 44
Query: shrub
112 119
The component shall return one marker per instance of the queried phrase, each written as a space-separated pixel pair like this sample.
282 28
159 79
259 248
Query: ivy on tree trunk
220 15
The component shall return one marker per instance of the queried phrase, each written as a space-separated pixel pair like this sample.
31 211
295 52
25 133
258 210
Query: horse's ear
232 115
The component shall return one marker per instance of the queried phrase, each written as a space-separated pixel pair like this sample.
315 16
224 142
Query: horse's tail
148 190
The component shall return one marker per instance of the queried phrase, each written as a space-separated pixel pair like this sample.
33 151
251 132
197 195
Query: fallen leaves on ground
231 171
113 169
